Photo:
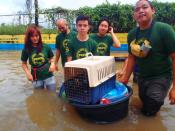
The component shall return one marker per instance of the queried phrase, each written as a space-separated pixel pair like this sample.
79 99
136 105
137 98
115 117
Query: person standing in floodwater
105 37
81 44
62 41
40 58
152 48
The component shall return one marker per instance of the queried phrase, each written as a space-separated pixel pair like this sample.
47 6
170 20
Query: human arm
50 59
169 46
128 69
57 57
172 90
24 58
116 42
52 67
26 70
120 73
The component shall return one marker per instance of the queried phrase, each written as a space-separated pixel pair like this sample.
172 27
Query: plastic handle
89 54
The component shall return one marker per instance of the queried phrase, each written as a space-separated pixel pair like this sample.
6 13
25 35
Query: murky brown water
25 109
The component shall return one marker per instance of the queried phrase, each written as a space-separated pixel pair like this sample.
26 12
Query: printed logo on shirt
38 59
65 44
102 48
141 47
81 53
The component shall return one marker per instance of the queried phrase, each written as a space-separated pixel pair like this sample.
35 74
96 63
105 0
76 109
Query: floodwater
24 109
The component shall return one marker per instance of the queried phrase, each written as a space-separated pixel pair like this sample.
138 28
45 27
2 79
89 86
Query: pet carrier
88 79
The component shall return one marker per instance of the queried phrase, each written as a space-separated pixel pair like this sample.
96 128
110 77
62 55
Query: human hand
121 78
119 74
111 30
172 95
56 67
52 68
30 77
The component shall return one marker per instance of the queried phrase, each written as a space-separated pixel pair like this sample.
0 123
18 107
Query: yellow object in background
49 38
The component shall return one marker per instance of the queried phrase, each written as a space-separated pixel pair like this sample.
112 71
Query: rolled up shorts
153 92
49 83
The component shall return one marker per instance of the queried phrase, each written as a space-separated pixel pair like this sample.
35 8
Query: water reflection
26 109
41 108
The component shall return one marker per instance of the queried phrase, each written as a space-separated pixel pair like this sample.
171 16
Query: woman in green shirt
103 39
40 58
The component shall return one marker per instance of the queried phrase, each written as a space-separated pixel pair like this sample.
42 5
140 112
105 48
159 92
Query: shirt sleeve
24 55
129 41
94 48
111 42
50 52
169 39
57 43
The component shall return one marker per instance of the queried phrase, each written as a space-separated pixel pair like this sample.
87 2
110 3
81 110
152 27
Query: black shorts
153 92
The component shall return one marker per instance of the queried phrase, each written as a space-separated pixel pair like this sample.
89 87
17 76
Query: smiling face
143 12
62 26
103 28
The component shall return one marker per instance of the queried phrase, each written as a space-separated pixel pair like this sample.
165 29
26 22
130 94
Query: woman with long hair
105 37
40 58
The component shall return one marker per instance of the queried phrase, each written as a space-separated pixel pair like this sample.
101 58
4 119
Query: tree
19 18
52 14
36 12
119 15
29 10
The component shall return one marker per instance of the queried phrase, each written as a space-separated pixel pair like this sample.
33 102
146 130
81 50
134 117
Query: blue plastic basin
104 113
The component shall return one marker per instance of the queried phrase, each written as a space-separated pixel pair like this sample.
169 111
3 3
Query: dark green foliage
121 17
48 31
20 30
165 12
12 29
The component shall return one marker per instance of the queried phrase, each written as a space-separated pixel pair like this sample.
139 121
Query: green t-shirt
61 44
39 61
158 62
103 44
78 49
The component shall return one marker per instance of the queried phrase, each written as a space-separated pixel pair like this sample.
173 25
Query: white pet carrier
99 68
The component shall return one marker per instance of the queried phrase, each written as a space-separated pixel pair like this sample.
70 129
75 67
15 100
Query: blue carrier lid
115 94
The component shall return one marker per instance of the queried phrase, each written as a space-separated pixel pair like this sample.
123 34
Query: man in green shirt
81 44
62 41
152 47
